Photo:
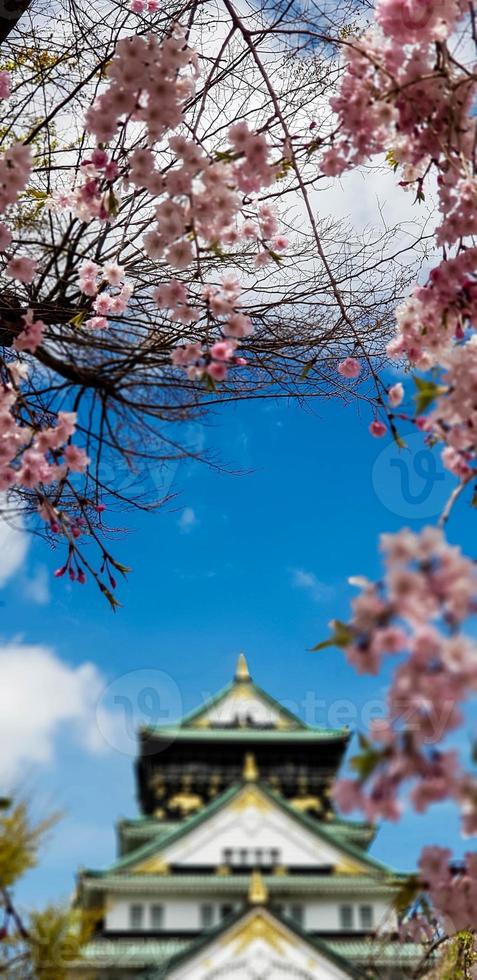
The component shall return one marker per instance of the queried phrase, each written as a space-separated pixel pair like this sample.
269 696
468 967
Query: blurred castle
238 866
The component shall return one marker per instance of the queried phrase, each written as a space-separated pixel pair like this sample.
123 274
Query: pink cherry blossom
76 459
396 394
97 323
378 429
5 237
349 368
425 581
31 335
223 350
5 85
102 304
217 370
113 273
21 268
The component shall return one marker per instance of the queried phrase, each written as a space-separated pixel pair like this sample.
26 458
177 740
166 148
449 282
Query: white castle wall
183 914
252 828
238 706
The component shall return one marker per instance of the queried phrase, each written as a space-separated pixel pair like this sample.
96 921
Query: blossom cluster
31 335
201 209
453 418
96 282
15 169
420 21
452 887
437 313
203 200
200 200
397 97
146 84
141 6
93 197
34 457
222 304
428 589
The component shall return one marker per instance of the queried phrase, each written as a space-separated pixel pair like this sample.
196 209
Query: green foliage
342 637
43 945
78 319
427 392
57 936
35 59
407 894
306 370
366 761
19 842
459 958
390 159
113 602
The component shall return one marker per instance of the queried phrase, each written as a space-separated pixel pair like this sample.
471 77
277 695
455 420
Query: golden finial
250 769
257 892
241 669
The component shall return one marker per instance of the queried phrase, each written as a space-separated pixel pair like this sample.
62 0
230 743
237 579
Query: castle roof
261 716
358 860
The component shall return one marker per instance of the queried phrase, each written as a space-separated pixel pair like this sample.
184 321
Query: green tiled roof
142 829
146 824
317 828
237 883
248 734
154 953
145 952
376 951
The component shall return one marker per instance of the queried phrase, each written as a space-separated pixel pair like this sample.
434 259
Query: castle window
228 855
366 916
206 916
136 916
225 910
296 913
259 856
346 916
275 856
243 856
156 914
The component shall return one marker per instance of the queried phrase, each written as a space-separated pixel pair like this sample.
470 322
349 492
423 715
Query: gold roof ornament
241 669
257 892
250 768
186 803
307 804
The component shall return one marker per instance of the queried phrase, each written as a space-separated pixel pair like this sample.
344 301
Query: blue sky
259 563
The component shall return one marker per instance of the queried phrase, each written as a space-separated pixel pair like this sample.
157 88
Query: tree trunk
10 13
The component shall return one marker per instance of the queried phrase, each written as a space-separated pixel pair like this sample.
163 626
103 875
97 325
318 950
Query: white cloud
13 549
37 588
39 695
308 582
188 520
